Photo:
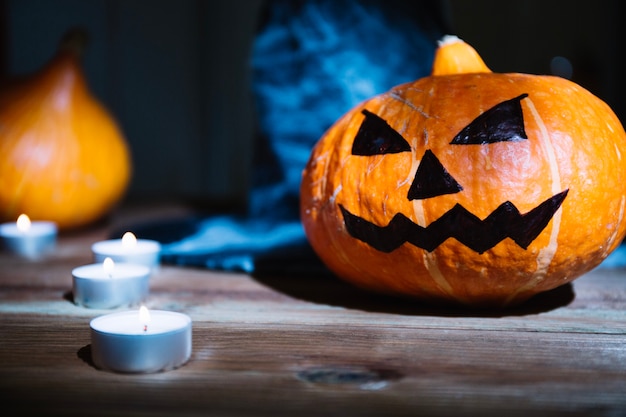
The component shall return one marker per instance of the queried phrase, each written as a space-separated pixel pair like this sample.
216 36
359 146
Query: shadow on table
295 270
325 288
84 354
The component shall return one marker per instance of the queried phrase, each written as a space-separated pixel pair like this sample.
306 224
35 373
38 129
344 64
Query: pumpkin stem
453 56
74 42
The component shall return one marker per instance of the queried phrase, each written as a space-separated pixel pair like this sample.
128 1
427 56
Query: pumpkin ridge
394 95
613 238
546 254
430 260
432 265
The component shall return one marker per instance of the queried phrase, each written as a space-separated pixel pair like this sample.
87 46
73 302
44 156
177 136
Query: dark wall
525 36
174 72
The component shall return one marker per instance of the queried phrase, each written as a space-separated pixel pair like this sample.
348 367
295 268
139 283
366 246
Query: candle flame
108 265
144 317
129 240
23 223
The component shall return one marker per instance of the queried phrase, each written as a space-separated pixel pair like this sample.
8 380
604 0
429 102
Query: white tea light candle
110 285
128 249
29 239
141 341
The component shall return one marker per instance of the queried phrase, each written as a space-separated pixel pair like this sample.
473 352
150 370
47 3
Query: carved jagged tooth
478 235
528 227
383 238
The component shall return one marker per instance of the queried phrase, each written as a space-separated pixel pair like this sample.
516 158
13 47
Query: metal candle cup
138 251
124 285
122 342
30 240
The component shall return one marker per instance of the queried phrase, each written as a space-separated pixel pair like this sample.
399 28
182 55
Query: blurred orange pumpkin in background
468 186
63 157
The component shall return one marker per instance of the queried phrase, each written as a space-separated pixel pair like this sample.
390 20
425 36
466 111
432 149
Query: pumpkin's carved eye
503 122
376 137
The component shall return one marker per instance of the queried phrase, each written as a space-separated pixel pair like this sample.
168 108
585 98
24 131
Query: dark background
175 72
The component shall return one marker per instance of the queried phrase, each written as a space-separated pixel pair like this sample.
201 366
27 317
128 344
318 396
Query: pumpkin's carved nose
432 179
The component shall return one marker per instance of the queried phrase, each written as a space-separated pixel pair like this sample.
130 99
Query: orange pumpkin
62 155
468 186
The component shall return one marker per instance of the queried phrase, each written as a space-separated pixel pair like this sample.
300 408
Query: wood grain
313 345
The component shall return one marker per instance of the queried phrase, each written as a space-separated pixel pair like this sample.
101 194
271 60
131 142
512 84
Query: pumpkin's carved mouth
478 235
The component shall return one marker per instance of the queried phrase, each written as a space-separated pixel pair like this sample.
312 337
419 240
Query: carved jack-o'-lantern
468 186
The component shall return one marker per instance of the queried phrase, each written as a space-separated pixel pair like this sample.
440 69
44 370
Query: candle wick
145 327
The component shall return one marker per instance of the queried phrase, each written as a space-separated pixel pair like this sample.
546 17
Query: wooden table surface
312 345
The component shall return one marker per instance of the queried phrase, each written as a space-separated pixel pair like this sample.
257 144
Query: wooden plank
314 345
285 367
592 304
